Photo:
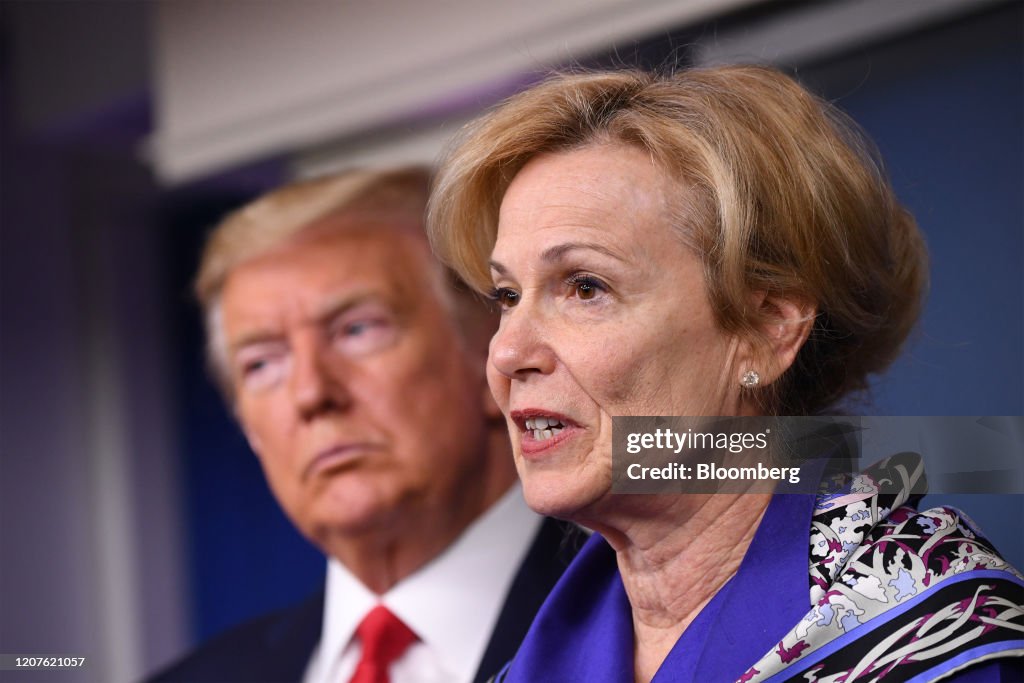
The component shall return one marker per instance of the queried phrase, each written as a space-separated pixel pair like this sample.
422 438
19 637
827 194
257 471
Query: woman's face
604 313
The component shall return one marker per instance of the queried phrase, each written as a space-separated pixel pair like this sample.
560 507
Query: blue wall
245 557
946 108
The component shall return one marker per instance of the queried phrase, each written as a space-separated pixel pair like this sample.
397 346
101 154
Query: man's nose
520 347
316 382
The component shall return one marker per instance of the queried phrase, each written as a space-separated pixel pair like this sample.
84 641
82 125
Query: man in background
355 368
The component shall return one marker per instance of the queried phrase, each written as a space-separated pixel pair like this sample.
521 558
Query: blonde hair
779 192
281 215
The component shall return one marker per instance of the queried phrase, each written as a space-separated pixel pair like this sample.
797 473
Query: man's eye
254 366
257 366
585 287
359 327
260 372
505 297
359 336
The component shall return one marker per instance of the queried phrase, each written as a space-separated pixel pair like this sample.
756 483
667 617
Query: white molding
241 81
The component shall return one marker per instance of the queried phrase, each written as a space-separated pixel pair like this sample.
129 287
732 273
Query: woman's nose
520 346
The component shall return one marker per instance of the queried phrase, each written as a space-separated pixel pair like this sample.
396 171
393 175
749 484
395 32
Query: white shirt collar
452 603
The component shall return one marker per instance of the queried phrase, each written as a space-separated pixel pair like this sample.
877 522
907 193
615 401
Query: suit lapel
291 640
552 550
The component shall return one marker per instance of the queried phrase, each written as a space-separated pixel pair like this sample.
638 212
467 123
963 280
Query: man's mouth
339 455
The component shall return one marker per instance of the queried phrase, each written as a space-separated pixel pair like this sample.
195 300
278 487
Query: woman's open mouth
541 431
543 428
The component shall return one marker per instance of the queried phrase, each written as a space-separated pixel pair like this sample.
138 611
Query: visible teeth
543 434
542 423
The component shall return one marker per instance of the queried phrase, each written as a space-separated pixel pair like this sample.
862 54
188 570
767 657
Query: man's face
351 381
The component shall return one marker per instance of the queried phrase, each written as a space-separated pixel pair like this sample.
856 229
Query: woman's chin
560 496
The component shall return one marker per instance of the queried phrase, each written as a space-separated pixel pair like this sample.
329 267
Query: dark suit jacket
277 647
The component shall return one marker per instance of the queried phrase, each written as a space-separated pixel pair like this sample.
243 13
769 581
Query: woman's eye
586 287
505 297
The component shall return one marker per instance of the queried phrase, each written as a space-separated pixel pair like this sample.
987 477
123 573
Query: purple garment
584 631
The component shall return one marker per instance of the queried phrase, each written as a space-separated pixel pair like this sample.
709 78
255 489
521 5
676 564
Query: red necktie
384 638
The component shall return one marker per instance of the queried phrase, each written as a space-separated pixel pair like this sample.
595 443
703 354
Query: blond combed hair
779 192
275 218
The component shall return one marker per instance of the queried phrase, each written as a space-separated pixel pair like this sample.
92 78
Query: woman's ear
786 324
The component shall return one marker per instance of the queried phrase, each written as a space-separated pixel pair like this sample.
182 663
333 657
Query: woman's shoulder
918 570
894 586
871 530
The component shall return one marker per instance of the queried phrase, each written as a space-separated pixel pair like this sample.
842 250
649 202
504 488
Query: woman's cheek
499 386
610 372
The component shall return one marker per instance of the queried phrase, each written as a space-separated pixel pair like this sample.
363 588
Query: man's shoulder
273 647
278 646
551 550
554 546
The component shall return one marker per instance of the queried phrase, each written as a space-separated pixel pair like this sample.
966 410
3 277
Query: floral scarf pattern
896 594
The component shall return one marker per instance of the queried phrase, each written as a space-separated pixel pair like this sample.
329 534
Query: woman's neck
674 554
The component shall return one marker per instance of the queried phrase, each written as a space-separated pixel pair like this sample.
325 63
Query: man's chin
342 518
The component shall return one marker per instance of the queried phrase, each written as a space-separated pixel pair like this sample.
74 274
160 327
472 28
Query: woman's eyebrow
557 252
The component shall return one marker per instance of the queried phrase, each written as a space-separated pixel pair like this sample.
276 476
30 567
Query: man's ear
786 324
